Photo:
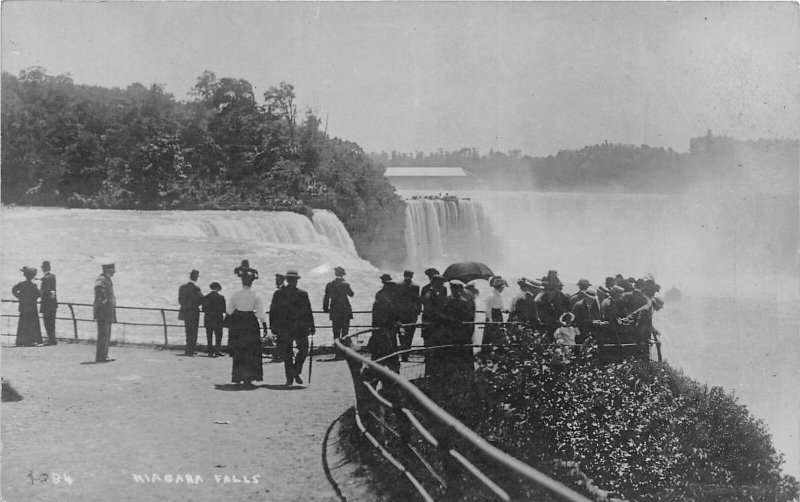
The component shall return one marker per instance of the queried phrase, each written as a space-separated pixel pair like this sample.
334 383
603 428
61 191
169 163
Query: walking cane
310 359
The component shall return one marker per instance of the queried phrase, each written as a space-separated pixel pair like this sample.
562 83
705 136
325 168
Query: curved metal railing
399 416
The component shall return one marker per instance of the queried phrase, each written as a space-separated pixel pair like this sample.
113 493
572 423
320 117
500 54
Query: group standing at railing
620 313
617 314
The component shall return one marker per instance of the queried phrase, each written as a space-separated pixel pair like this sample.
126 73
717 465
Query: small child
566 333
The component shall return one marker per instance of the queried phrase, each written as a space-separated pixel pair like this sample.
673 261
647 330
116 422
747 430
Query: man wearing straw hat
105 309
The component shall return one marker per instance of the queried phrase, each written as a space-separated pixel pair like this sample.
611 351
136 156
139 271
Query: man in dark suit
292 321
49 303
190 297
587 312
337 304
583 285
214 310
409 309
105 310
385 318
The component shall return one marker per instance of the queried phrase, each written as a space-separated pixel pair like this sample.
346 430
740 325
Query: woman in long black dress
246 311
28 331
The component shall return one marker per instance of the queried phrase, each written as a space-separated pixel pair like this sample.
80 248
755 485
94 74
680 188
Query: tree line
764 165
139 148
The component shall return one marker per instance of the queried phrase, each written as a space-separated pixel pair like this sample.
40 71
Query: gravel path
126 430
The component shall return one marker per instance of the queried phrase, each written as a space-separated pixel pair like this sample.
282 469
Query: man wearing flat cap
292 321
190 297
105 310
410 308
336 303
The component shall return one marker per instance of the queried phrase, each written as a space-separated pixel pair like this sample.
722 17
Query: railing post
164 320
74 321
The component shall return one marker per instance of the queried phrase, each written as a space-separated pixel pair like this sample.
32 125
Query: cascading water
274 227
732 254
441 231
155 250
328 224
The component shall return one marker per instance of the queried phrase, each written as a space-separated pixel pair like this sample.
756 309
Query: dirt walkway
144 427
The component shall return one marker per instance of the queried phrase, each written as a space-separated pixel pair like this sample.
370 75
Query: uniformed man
49 303
105 310
410 307
190 297
336 303
292 321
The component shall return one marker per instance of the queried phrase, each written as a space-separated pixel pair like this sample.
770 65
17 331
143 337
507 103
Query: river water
733 258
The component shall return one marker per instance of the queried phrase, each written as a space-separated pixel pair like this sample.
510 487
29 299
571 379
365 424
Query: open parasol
467 271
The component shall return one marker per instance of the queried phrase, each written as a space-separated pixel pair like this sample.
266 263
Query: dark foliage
637 428
139 148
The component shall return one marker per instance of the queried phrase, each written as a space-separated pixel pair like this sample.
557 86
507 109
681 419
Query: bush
640 429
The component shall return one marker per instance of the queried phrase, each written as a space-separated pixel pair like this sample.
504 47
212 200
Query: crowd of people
618 312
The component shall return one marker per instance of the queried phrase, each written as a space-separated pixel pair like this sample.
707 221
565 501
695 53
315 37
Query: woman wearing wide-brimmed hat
28 331
246 311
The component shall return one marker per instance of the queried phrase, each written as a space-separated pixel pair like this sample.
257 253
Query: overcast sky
533 76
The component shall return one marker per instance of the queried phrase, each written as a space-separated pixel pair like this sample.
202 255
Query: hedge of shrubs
640 430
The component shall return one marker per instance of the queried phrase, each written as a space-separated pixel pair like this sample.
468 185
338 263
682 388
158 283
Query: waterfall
439 232
280 227
328 225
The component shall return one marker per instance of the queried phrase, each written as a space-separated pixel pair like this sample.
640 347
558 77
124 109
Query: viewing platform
155 425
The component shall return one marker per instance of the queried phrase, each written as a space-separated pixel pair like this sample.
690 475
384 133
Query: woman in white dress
246 313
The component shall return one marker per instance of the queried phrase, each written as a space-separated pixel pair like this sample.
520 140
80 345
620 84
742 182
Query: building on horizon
438 179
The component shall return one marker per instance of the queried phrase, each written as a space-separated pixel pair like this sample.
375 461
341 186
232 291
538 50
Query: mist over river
733 257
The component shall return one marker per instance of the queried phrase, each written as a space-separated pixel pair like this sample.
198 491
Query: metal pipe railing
366 399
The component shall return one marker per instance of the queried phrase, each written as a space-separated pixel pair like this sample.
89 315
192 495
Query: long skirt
244 340
28 330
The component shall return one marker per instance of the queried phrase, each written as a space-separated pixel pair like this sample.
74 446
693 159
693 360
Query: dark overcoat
336 301
290 312
49 302
190 297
